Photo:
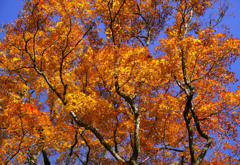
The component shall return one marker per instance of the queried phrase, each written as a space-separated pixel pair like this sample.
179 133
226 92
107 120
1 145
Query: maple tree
81 83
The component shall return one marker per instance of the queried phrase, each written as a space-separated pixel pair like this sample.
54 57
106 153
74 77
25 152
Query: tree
81 83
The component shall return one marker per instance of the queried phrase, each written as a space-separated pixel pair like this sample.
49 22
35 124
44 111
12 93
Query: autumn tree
118 82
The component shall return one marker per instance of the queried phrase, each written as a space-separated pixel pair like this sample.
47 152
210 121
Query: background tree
81 83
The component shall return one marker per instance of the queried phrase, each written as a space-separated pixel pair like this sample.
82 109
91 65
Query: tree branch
72 148
98 135
202 134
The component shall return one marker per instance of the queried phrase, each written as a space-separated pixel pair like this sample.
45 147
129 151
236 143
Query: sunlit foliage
118 82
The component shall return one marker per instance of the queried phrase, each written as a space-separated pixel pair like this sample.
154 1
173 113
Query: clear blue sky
9 11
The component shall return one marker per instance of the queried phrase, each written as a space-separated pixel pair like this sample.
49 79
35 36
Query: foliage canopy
118 82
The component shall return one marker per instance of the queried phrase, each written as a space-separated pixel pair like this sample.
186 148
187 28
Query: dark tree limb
72 148
45 158
99 136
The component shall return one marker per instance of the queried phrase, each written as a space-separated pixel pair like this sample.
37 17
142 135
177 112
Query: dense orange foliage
81 83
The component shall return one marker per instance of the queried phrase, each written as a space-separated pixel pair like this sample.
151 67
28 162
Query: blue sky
9 10
233 22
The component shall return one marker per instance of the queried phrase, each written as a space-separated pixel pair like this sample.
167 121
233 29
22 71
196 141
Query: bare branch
115 137
202 134
45 158
72 148
99 136
89 149
20 143
189 127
